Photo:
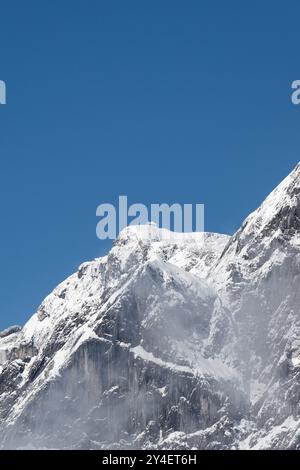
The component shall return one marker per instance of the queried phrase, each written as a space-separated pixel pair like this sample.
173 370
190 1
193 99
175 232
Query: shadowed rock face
107 397
166 343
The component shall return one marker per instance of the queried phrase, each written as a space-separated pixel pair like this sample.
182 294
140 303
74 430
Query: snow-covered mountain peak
195 252
280 210
188 340
267 237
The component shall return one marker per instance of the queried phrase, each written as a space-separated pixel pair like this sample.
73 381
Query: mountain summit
166 342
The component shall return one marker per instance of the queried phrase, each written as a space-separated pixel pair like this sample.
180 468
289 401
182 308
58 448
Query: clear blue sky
165 101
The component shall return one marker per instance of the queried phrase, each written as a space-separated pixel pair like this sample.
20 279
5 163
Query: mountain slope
258 277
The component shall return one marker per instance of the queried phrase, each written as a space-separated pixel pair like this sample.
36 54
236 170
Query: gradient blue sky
165 101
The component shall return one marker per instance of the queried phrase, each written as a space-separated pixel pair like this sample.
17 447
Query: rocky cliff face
166 342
